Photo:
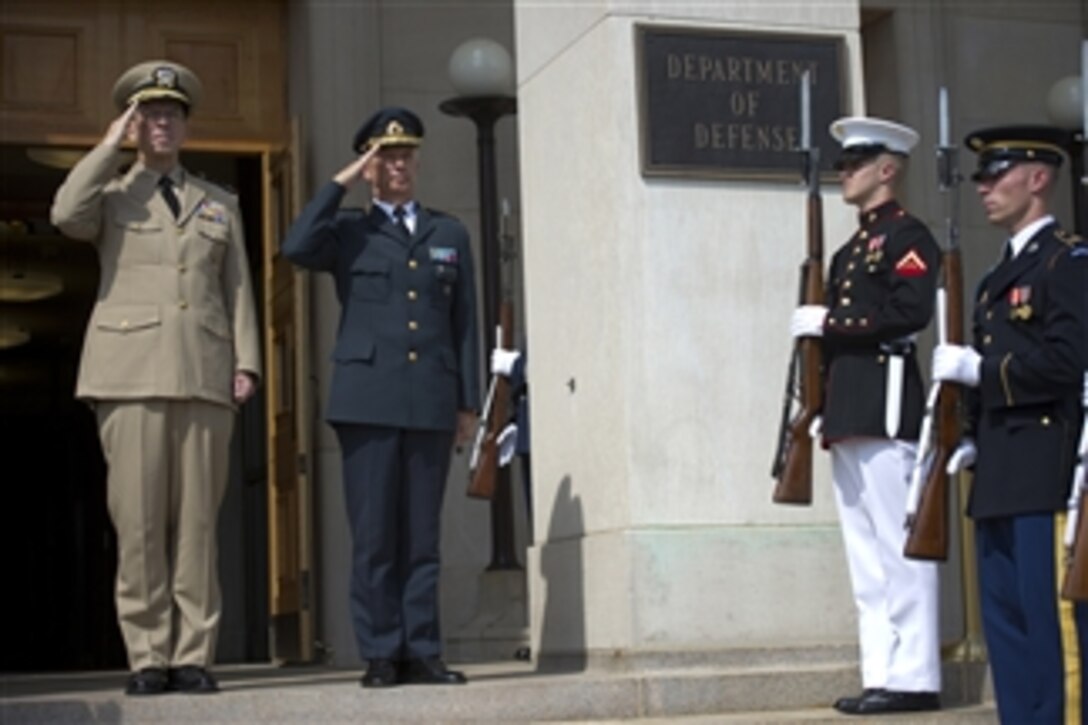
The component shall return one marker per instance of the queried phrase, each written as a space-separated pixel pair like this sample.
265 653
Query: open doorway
59 545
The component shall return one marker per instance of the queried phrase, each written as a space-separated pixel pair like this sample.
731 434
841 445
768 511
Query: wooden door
290 401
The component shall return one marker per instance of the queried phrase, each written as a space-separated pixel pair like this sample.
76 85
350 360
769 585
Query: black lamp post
1065 106
481 72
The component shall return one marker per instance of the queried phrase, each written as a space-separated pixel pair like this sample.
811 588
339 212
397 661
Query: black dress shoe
380 673
849 705
430 671
148 681
896 701
193 680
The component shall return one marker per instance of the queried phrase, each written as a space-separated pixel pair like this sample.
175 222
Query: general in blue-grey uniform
1025 370
404 386
880 292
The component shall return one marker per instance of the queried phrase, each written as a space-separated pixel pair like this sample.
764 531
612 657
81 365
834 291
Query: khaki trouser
168 466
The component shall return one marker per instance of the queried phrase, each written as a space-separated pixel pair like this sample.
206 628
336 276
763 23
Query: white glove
507 442
808 321
815 427
957 364
964 456
502 361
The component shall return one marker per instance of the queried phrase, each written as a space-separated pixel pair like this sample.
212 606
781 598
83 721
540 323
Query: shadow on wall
563 625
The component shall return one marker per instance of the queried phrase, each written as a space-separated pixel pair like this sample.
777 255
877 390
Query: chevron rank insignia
911 264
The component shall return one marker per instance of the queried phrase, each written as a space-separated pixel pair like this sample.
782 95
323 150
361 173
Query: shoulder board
213 187
1068 238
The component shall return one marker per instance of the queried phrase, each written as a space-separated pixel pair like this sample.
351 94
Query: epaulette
215 187
1070 239
1073 244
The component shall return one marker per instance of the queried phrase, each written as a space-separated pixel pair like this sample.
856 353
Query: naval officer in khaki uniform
171 349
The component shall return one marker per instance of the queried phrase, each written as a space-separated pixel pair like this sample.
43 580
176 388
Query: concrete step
498 692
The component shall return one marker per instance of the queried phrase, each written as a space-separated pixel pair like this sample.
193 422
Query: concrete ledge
503 692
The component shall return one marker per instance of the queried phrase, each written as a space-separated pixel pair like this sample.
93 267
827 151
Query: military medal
1020 303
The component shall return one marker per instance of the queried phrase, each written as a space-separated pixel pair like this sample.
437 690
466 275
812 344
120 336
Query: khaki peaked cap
158 79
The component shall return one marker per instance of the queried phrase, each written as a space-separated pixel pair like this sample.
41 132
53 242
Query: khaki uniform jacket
175 315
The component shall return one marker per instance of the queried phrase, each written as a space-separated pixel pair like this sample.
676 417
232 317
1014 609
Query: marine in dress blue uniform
1025 372
880 292
404 384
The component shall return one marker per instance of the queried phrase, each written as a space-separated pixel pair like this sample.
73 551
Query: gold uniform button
850 267
987 339
880 359
856 250
845 302
863 234
412 294
183 304
412 356
847 284
412 264
849 322
413 325
864 322
1045 420
989 314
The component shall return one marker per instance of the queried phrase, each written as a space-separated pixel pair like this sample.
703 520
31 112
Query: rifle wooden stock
793 470
1076 575
928 536
1075 586
483 478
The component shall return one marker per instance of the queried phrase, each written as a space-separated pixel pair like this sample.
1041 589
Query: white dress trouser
896 597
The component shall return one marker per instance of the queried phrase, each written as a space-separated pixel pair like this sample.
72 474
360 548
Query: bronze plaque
728 104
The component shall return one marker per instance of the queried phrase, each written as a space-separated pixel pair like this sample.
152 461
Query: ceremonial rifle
927 504
483 462
792 467
1076 525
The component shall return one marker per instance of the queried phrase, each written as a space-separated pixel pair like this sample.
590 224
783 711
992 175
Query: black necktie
400 215
166 186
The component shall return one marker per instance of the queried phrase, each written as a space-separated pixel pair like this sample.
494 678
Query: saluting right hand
353 172
121 128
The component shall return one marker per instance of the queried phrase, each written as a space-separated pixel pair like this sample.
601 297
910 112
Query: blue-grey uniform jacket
406 351
1031 328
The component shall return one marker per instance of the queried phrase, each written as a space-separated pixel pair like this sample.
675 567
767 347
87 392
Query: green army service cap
158 79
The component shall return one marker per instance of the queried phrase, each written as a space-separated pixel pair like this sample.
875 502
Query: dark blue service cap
392 126
1002 147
